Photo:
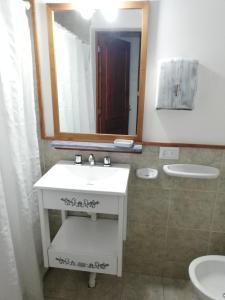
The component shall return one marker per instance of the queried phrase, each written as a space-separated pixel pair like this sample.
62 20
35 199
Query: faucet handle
78 159
107 161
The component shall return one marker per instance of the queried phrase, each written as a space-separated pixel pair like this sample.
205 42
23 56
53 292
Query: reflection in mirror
97 71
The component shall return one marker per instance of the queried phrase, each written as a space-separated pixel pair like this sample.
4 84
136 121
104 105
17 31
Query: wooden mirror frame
51 8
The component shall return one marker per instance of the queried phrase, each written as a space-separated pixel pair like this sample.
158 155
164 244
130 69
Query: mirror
97 71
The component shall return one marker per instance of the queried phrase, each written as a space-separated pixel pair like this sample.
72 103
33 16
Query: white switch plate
169 153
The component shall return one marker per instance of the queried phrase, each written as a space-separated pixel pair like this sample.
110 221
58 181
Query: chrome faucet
91 159
107 161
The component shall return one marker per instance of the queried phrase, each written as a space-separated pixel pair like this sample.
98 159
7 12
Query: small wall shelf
94 146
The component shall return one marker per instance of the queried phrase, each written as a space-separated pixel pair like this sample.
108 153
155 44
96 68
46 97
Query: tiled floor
72 285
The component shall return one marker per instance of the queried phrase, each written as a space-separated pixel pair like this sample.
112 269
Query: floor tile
62 284
175 289
142 287
50 298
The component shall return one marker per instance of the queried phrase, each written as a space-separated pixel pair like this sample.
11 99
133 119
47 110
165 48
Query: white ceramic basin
207 274
191 171
89 174
67 176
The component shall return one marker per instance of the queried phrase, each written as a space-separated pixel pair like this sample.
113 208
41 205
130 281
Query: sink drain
223 295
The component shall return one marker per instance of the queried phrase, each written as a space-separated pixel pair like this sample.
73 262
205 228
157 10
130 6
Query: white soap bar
123 143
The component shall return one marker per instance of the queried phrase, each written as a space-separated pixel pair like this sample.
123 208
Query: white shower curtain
75 90
19 160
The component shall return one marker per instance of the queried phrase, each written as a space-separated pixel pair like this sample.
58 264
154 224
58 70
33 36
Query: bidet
207 274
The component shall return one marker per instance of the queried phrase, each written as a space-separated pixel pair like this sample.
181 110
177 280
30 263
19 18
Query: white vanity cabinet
81 243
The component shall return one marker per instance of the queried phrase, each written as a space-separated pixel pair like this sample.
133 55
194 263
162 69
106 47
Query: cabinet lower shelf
86 245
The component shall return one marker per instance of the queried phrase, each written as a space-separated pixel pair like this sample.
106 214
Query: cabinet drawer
98 264
80 202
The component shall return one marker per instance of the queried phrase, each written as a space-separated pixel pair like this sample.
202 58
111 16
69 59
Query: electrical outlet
169 153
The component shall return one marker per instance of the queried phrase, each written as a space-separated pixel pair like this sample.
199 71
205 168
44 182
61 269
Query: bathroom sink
191 171
67 176
89 174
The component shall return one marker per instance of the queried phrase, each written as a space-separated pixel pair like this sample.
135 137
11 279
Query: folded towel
177 84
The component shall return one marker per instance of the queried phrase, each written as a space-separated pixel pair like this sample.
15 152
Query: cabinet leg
92 279
45 232
63 215
125 218
93 216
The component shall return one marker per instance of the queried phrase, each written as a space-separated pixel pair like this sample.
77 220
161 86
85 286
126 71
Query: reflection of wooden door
113 63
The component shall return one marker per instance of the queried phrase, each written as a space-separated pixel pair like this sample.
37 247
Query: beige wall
170 220
187 29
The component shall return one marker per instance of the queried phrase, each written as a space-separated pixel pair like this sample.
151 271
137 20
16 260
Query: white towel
177 84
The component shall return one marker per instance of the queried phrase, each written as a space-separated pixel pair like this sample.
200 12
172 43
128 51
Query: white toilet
207 274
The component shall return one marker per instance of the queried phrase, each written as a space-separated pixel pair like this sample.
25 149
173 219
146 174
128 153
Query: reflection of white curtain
75 91
19 160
